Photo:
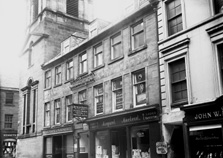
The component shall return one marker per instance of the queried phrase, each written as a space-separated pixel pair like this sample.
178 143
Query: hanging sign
161 148
80 111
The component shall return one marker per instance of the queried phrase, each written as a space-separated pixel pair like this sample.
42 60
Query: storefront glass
102 144
206 141
83 145
140 142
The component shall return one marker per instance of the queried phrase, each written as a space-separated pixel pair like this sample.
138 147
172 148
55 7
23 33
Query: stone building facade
190 57
9 105
49 23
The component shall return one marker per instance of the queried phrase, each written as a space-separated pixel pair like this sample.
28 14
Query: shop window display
101 144
206 141
140 142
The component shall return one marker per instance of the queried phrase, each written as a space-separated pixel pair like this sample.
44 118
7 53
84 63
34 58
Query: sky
12 29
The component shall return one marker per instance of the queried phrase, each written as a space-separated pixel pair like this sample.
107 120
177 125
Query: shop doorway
57 146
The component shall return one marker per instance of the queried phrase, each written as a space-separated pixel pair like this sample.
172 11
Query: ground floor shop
132 134
8 143
203 129
59 143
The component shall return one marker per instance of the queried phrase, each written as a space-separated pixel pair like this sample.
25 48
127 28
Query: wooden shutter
72 7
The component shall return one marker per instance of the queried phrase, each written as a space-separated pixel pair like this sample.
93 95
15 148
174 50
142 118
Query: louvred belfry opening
72 7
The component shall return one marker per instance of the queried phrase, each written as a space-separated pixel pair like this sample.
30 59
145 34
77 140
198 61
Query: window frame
69 70
219 66
112 45
82 63
69 107
169 19
48 80
97 97
96 53
114 93
80 93
58 75
7 98
57 109
133 34
8 124
135 84
47 114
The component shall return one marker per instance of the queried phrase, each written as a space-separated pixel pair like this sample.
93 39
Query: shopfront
203 130
58 143
132 134
9 143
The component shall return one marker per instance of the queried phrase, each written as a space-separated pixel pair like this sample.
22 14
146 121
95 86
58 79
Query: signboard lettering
134 117
58 130
161 148
80 110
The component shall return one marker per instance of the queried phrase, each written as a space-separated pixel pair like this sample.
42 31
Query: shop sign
161 148
9 135
125 119
213 112
82 81
58 130
80 111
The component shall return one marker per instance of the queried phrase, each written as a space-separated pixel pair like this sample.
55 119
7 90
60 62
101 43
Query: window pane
116 38
139 76
138 40
138 27
116 51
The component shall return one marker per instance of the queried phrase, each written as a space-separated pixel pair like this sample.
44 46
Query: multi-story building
190 56
49 23
113 77
9 105
89 96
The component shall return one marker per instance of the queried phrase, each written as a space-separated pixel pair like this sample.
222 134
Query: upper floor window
116 48
34 10
30 55
8 120
72 7
58 75
82 97
117 97
174 16
178 81
98 55
9 98
68 102
137 33
57 111
69 70
218 6
139 88
98 94
83 63
47 114
48 79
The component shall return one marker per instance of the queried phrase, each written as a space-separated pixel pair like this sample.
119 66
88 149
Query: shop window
47 114
57 111
98 55
69 146
140 142
220 54
102 144
48 79
83 63
206 141
8 120
84 145
82 97
58 75
139 88
8 148
218 6
116 48
48 146
178 82
117 97
9 98
99 99
174 16
68 102
69 70
138 37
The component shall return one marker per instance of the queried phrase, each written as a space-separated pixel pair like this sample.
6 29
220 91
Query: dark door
57 146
